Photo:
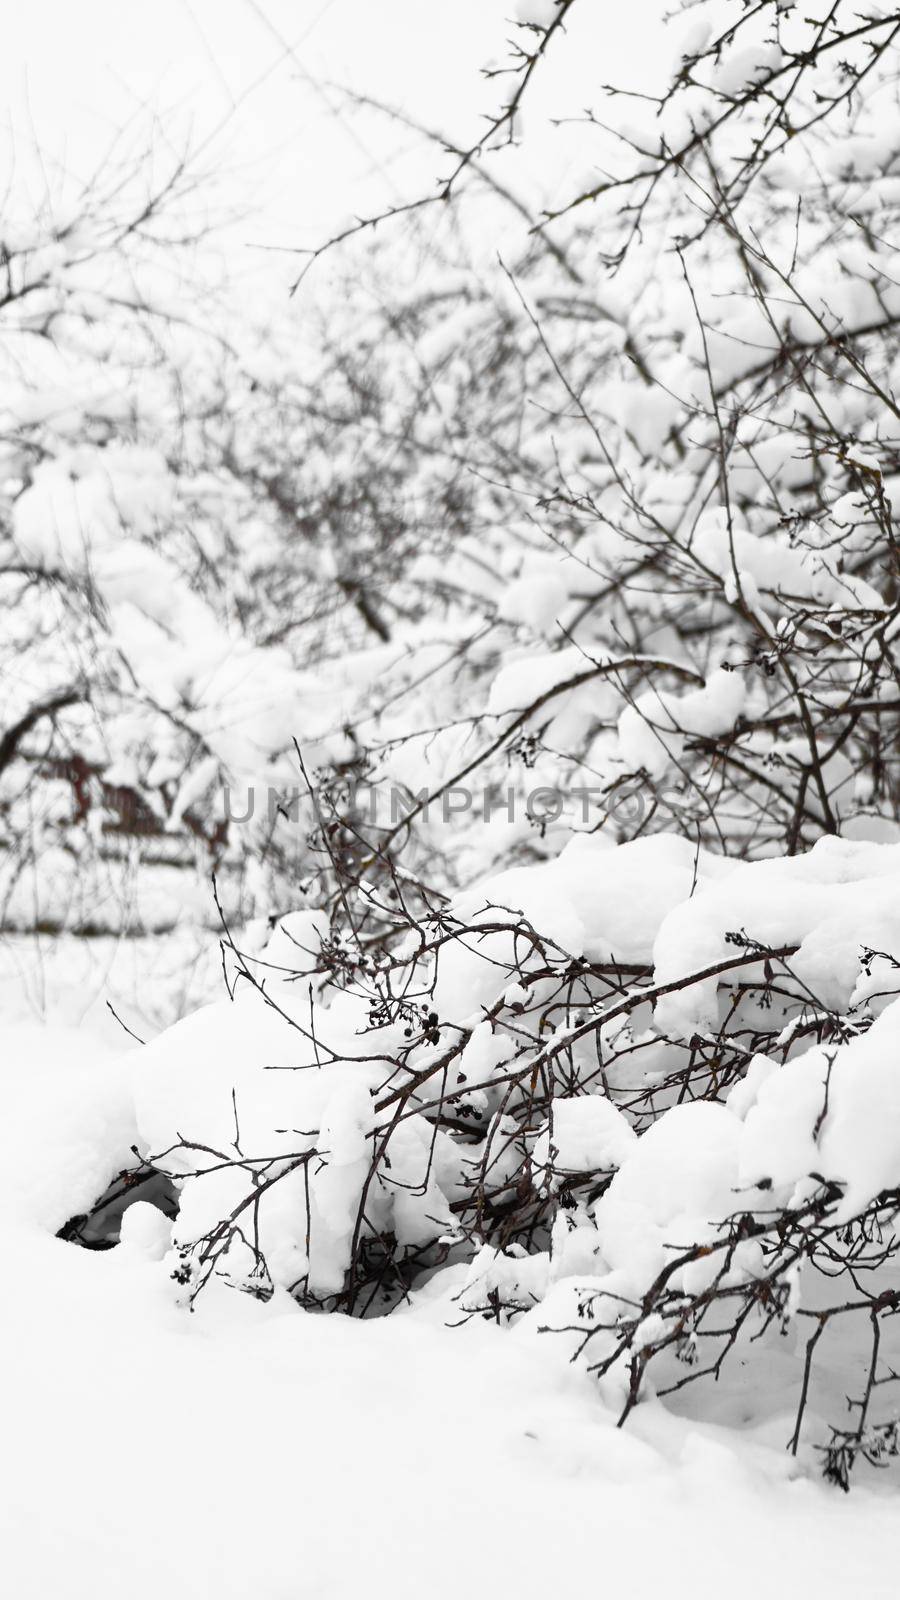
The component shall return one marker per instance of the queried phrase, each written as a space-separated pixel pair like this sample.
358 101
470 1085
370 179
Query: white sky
74 70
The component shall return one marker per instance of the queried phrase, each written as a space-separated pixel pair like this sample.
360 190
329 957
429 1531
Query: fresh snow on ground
261 1449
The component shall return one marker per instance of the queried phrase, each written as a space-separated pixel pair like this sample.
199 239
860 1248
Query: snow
831 902
651 731
679 1177
739 68
537 597
583 1135
774 567
279 1426
851 1136
538 13
69 1125
589 1115
593 899
146 1229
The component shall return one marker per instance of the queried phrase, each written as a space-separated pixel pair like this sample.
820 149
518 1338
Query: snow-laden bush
603 1020
205 536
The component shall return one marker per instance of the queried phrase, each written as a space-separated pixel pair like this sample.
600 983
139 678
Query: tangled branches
625 1069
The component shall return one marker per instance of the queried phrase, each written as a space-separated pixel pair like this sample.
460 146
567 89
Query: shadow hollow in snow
99 1228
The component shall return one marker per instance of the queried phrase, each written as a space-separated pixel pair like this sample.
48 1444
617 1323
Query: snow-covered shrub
604 1020
205 542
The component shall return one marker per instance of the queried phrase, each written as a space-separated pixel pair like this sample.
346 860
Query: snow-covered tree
207 520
